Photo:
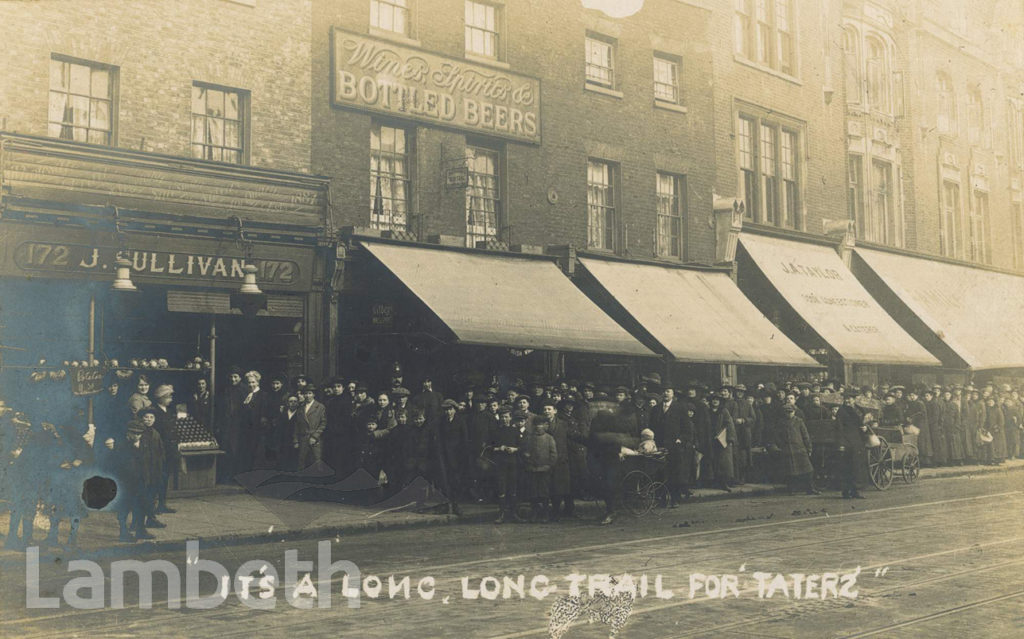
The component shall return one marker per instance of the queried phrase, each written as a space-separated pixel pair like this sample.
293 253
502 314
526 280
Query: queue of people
532 449
549 445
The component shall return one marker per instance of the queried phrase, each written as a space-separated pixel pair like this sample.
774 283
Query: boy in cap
505 442
539 455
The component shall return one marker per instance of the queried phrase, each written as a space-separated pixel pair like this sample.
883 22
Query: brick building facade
615 120
175 136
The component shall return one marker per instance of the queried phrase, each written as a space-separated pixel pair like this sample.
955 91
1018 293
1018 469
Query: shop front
474 317
147 285
807 290
696 317
968 317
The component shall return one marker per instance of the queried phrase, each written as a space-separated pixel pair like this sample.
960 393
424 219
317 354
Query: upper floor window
951 223
1015 130
671 204
879 76
391 15
945 119
764 33
390 184
81 102
975 116
218 123
483 195
854 191
884 225
768 159
482 29
977 229
600 53
851 66
601 194
1016 134
666 78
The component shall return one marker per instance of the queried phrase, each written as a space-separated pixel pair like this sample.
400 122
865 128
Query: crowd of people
534 449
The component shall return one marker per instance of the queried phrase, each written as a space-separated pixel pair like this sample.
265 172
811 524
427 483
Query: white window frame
480 34
666 79
594 45
391 177
951 225
383 14
204 143
483 194
602 209
765 34
945 103
670 229
977 227
72 109
768 178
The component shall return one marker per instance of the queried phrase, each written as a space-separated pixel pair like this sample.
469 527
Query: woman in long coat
721 456
794 444
952 425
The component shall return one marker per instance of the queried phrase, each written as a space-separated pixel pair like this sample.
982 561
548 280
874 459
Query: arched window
975 116
851 65
877 67
945 120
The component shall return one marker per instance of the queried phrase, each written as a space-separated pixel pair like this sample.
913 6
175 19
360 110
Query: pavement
230 515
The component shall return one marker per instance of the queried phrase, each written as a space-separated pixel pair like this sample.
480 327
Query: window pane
232 134
231 106
80 105
58 103
99 117
215 131
58 75
215 103
98 137
100 83
80 79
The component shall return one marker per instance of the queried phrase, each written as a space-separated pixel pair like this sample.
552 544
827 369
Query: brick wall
545 40
800 98
934 46
160 48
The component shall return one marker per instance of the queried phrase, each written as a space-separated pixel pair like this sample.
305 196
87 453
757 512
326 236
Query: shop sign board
383 315
385 77
456 178
87 380
59 257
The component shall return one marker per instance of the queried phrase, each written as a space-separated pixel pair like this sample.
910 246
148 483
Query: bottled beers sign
385 77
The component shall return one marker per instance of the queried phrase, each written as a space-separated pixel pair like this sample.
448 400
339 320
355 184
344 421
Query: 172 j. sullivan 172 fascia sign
385 77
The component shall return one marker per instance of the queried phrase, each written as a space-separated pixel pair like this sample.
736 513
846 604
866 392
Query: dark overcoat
794 445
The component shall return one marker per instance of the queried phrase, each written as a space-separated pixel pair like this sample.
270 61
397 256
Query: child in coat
539 455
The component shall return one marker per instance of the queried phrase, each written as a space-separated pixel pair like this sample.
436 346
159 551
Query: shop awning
503 300
975 312
814 281
696 316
